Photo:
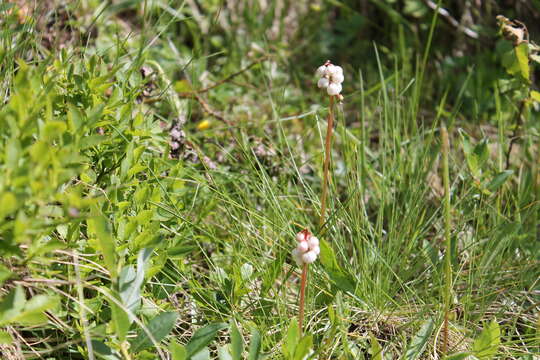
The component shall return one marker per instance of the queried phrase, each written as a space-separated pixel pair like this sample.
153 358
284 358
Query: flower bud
297 257
316 250
301 236
313 242
335 70
333 89
323 82
309 257
303 246
337 78
321 70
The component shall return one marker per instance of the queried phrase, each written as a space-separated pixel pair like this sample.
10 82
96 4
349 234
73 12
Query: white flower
337 78
323 82
321 70
334 70
309 257
303 246
297 256
331 77
307 249
333 89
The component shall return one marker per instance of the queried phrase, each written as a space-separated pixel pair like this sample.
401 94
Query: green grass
116 246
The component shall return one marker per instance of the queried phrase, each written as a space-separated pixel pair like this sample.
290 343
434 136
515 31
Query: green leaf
12 305
103 350
535 95
237 343
121 321
291 339
14 309
75 118
53 129
203 337
486 345
5 337
499 180
5 274
376 349
460 356
8 204
204 354
303 348
476 156
254 345
328 257
99 227
178 352
522 55
223 353
91 141
159 327
130 281
419 341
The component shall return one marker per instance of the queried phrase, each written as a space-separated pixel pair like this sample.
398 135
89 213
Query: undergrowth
158 158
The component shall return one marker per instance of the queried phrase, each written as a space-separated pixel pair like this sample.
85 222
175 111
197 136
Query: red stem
302 297
327 160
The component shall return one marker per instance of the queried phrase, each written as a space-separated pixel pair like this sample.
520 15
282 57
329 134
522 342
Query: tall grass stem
448 241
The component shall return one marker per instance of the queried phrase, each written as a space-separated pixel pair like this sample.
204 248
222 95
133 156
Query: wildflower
307 249
331 77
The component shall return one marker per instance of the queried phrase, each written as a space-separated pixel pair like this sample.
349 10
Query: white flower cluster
331 78
308 248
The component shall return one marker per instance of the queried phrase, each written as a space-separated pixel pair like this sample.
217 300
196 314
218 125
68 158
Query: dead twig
451 20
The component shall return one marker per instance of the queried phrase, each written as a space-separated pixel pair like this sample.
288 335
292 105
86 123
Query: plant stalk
302 297
448 242
328 144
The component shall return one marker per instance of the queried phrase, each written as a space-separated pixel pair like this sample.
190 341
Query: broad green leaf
223 353
204 354
14 309
130 281
159 327
376 349
178 352
5 337
237 343
476 156
522 55
121 321
99 227
202 337
328 257
33 312
460 356
419 341
12 305
486 345
75 118
499 180
303 348
8 204
91 141
254 345
103 350
535 95
53 129
291 339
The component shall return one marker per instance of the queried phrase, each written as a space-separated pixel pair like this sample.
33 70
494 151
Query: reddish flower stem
327 160
302 297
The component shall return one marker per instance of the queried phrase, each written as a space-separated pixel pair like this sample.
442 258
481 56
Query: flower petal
323 82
